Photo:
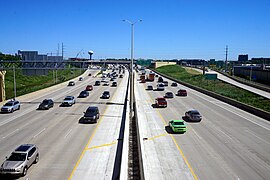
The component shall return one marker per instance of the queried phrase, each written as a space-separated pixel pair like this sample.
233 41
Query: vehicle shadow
169 130
8 177
82 121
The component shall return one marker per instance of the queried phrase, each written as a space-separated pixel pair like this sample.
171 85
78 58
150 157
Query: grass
216 86
27 84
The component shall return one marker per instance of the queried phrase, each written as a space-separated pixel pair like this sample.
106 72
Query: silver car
68 101
11 106
20 160
193 115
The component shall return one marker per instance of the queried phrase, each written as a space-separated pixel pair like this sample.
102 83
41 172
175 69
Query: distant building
243 57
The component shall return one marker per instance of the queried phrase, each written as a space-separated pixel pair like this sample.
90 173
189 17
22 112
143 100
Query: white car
11 106
160 87
68 101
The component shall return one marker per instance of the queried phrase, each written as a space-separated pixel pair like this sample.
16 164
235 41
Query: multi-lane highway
227 144
68 149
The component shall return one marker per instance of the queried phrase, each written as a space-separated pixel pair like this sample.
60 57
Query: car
149 87
156 75
178 126
160 87
83 94
193 115
68 101
71 83
106 83
46 104
181 92
121 76
89 74
91 114
114 84
11 106
97 83
168 95
89 88
112 79
105 95
165 83
161 102
160 79
80 78
174 84
20 160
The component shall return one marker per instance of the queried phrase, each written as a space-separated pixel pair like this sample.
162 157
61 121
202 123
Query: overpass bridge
53 65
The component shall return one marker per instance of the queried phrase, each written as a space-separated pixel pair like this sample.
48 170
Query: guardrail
258 112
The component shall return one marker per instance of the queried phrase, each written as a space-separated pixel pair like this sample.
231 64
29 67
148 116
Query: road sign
210 76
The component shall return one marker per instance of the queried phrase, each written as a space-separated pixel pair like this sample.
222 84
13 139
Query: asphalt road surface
227 144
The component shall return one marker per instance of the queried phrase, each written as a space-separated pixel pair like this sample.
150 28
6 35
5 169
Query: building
243 57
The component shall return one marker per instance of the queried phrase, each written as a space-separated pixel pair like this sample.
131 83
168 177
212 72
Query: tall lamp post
131 68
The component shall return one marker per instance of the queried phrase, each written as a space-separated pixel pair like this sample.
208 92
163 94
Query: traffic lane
55 167
98 157
38 119
162 157
227 129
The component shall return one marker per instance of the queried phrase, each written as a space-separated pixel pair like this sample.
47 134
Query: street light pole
131 68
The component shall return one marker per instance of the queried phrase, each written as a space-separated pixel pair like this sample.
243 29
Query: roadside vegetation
26 84
216 86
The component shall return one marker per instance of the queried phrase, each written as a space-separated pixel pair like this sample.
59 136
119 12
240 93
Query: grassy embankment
217 86
27 84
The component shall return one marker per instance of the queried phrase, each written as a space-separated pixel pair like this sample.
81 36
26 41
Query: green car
178 126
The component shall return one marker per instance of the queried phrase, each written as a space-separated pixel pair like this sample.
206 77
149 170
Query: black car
174 84
114 84
168 95
91 114
84 94
71 83
46 104
160 79
165 83
193 115
105 95
97 83
149 87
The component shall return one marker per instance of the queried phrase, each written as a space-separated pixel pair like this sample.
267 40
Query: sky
170 29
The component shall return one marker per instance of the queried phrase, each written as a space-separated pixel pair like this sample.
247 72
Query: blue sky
170 28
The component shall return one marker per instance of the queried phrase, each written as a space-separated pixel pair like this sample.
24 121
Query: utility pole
14 81
62 51
226 60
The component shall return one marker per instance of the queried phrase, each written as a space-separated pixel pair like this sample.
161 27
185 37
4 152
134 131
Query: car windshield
161 100
17 157
178 123
161 85
9 104
68 98
106 92
169 93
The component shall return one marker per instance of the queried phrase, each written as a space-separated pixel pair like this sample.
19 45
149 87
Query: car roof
169 93
24 147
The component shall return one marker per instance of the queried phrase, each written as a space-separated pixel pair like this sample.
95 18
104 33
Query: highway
60 137
227 144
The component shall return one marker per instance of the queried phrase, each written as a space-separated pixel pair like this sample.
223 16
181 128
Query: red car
161 102
182 92
89 88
